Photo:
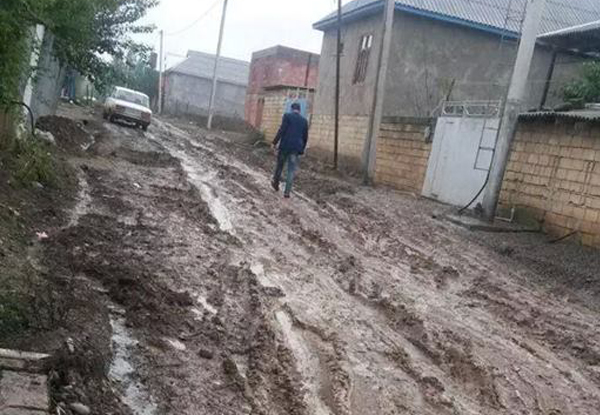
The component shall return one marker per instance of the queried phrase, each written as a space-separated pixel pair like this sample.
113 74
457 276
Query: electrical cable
195 22
30 112
502 39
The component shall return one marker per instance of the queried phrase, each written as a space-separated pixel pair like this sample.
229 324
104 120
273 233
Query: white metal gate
462 151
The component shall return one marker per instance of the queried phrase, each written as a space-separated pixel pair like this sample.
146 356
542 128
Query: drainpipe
549 79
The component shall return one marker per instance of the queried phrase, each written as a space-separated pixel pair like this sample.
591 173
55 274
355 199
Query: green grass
14 315
29 159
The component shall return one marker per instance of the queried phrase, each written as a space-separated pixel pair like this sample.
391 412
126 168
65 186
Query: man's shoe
286 195
275 185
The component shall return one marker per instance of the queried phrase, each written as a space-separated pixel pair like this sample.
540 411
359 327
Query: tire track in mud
342 390
339 405
454 374
333 381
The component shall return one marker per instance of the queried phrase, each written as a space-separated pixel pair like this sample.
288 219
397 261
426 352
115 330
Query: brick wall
553 176
353 131
272 114
403 150
279 66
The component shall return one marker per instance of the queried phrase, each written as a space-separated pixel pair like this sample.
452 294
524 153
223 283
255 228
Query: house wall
186 94
403 150
426 55
353 130
278 66
355 101
42 91
272 114
429 55
553 176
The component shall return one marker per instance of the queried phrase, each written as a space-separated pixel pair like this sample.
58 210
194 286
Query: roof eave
352 15
372 8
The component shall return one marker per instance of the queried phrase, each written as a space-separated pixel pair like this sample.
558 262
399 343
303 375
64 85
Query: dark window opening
362 62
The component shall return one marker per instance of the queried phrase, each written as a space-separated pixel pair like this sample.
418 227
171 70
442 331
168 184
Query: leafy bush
33 162
587 88
13 314
29 160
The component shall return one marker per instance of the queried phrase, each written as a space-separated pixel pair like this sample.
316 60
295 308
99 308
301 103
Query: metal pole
213 91
370 149
338 58
160 73
549 77
514 105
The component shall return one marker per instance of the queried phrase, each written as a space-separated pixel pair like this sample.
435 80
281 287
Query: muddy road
344 300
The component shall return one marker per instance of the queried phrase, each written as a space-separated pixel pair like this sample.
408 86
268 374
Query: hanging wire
195 22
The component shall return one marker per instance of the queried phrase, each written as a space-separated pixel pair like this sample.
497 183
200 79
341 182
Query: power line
195 22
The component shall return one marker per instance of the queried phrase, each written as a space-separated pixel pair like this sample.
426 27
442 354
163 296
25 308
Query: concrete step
23 388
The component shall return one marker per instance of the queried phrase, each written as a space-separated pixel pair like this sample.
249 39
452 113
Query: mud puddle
135 396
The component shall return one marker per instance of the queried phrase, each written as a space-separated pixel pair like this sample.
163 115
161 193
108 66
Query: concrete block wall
353 132
403 150
554 176
279 66
272 115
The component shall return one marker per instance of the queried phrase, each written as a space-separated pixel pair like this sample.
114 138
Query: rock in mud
206 354
80 408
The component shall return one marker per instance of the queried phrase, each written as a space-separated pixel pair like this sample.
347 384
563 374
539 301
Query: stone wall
403 150
353 131
553 176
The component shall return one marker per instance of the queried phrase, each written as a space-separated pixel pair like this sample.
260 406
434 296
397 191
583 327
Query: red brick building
278 72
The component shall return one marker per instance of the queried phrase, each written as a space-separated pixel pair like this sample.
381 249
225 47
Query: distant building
278 76
188 86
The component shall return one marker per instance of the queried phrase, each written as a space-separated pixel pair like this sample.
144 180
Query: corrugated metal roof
201 65
503 15
581 115
575 30
584 39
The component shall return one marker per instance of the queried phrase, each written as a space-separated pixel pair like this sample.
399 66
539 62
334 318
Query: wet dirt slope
343 300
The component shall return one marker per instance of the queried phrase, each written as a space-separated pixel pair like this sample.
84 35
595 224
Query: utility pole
160 72
213 91
370 149
513 106
338 58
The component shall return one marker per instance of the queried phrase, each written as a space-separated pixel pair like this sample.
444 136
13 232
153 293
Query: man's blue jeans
292 160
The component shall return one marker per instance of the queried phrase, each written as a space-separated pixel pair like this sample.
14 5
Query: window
132 97
362 62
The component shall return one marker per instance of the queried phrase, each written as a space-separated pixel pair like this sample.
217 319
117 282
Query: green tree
587 88
136 72
84 30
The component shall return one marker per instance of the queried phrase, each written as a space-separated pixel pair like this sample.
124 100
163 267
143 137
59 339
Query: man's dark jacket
293 134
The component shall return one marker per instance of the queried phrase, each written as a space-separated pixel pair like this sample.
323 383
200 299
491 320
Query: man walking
291 141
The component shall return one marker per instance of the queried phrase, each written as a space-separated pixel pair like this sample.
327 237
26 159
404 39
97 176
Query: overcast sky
251 25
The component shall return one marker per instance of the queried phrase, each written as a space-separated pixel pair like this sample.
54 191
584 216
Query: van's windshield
133 97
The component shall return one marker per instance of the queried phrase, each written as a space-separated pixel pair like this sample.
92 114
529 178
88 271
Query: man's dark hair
295 106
